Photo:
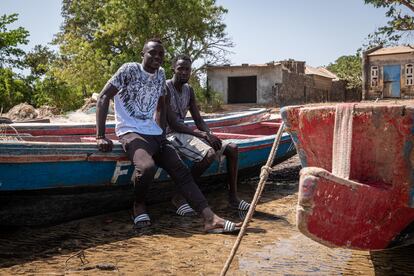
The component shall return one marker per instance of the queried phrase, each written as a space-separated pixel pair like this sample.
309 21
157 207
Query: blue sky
317 31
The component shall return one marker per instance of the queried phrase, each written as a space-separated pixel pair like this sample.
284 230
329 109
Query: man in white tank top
200 146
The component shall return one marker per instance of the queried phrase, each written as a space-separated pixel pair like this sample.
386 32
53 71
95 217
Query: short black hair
181 57
154 39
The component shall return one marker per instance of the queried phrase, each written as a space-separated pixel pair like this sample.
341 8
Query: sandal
228 228
185 210
141 221
243 206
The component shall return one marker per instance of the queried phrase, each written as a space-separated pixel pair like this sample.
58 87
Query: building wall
301 89
338 91
381 61
277 86
291 90
267 76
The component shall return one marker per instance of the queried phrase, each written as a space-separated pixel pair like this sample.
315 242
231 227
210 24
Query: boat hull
73 179
255 115
372 209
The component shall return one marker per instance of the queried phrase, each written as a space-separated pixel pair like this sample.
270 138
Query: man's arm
161 114
195 113
214 141
102 106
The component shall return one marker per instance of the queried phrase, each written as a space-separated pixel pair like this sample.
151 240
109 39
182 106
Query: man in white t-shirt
138 92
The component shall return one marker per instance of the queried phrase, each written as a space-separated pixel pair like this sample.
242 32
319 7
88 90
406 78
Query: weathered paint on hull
82 168
369 211
89 128
41 181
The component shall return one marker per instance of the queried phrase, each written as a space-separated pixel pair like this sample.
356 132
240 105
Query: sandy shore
174 245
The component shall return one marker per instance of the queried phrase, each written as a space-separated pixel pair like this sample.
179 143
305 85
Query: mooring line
264 174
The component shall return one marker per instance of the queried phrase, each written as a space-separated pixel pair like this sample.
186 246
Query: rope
264 174
3 133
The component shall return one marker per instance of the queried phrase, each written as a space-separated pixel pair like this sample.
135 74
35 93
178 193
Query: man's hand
214 141
104 144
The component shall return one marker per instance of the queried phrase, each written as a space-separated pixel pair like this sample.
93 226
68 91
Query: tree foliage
10 53
39 60
13 89
400 26
348 68
97 36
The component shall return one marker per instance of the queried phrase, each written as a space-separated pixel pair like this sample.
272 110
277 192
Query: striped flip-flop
228 228
243 206
242 214
185 210
142 221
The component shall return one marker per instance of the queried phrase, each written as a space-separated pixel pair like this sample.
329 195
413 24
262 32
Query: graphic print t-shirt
137 99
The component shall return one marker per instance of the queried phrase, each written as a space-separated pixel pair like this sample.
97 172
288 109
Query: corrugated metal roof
243 66
328 73
320 71
392 50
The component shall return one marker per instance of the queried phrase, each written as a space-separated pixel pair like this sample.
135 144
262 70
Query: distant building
275 83
388 72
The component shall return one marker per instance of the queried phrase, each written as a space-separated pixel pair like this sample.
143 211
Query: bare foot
216 224
139 208
239 204
178 200
140 216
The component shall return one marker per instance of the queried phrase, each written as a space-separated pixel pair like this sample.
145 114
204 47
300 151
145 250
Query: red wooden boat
38 129
357 185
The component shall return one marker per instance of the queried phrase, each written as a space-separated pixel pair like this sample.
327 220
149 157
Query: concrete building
246 83
388 72
275 83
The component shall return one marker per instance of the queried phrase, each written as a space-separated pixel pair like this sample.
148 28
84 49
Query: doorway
392 75
242 89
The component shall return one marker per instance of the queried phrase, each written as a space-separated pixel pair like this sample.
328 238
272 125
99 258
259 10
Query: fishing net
9 133
342 140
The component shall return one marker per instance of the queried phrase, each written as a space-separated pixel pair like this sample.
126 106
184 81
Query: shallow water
107 244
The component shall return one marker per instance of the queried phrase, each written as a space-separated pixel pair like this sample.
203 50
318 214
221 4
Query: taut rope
266 169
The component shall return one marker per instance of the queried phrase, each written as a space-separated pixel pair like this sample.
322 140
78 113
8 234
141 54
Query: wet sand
107 245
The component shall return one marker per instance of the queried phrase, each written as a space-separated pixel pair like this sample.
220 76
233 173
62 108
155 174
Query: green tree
10 53
39 60
348 68
55 92
13 89
97 36
400 26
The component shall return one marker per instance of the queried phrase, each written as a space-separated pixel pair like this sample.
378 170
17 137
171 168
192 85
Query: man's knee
144 172
209 158
232 150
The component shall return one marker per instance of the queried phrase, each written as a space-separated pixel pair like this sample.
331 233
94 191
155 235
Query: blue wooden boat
52 178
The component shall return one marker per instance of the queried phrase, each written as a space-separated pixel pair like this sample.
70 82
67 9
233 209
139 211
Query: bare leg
139 149
231 153
200 167
212 221
196 171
